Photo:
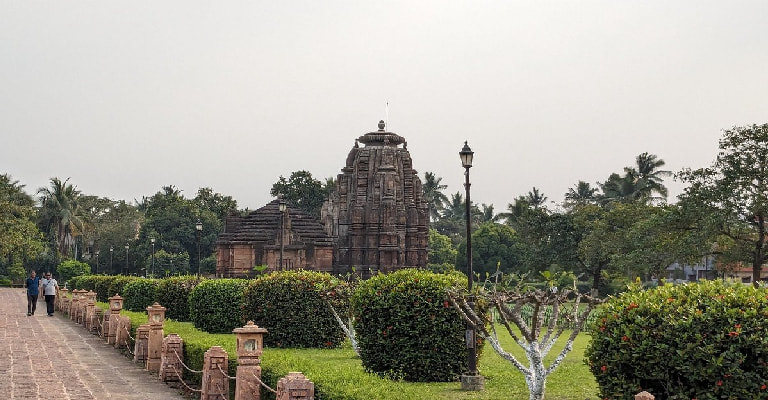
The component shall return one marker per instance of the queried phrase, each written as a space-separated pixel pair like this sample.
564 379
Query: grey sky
126 97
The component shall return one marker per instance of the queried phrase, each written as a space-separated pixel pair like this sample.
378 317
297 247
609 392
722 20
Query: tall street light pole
282 207
471 381
199 229
127 246
152 240
111 250
97 262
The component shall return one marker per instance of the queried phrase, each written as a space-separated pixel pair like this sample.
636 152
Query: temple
377 213
374 221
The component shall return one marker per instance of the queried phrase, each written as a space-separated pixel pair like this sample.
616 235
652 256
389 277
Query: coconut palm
59 214
650 176
582 193
433 195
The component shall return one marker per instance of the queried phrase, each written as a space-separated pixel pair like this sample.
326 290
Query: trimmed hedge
140 294
216 305
407 329
291 305
173 294
704 341
117 285
103 282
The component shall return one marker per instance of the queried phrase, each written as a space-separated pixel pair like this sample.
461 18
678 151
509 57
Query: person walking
50 290
33 290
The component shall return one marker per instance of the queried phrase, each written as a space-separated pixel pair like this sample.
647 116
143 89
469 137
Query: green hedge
173 294
216 305
117 284
704 341
407 329
103 282
291 305
140 294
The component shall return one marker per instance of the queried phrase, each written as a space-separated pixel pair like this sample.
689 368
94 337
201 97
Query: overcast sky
124 98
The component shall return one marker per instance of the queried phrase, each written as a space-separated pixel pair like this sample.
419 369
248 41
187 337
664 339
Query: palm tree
59 214
486 214
582 193
535 198
433 195
650 176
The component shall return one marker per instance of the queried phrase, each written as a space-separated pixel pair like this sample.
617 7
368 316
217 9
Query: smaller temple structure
255 239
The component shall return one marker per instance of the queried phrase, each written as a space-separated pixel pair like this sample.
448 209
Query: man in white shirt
50 290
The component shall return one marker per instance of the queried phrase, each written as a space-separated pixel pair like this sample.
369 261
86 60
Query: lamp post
472 380
152 240
97 261
282 207
199 229
127 246
111 250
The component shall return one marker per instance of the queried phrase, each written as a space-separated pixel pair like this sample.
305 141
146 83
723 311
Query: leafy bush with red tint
706 340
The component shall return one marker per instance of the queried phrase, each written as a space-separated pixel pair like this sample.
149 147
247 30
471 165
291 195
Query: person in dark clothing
33 291
50 290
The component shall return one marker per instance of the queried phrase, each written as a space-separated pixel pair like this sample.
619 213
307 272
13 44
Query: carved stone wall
254 239
377 213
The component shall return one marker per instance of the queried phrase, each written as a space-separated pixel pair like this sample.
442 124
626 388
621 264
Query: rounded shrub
173 294
291 305
86 282
140 294
215 305
707 340
407 329
73 283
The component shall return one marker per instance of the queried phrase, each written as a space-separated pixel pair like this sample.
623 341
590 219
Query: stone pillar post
61 299
98 314
215 384
75 304
115 305
123 327
105 327
171 357
295 386
90 308
250 339
140 347
156 314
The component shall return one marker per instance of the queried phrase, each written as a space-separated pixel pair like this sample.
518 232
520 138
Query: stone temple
375 221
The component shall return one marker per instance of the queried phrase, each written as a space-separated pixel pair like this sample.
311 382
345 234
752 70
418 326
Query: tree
640 183
20 239
433 195
582 193
537 335
441 250
651 177
733 194
302 191
493 245
59 215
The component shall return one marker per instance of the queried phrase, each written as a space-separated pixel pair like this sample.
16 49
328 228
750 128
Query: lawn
340 372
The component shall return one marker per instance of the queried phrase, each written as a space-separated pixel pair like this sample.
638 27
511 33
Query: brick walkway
51 358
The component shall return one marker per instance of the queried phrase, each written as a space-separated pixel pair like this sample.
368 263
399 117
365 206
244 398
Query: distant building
375 220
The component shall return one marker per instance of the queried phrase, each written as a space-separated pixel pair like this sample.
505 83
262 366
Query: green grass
340 372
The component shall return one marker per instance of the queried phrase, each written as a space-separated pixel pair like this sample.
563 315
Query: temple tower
377 212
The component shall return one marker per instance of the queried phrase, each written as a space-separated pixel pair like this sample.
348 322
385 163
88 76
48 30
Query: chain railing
262 383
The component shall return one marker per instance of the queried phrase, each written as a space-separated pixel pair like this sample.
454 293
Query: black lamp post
127 246
282 207
97 262
199 230
152 240
111 250
470 381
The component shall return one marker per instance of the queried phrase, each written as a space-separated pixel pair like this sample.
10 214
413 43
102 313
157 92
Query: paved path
51 358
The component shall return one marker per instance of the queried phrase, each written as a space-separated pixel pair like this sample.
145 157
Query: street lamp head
199 226
282 205
466 156
152 240
127 246
111 249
